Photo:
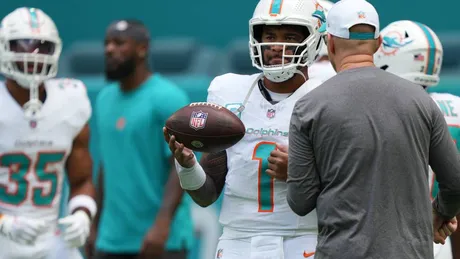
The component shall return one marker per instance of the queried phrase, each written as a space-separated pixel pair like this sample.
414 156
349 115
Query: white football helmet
307 13
412 51
327 5
30 47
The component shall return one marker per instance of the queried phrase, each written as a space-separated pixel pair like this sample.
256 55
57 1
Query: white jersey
254 203
33 153
450 106
321 70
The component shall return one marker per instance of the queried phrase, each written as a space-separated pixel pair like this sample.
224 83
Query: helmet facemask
292 55
29 61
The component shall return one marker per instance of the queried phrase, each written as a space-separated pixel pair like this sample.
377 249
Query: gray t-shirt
359 149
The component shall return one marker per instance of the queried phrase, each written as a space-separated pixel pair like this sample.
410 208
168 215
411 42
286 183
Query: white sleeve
215 92
82 110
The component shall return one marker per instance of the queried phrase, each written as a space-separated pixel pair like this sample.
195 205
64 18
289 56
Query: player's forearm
82 188
206 194
82 191
171 198
80 174
99 197
205 180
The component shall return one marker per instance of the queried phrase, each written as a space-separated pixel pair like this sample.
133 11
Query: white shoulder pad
455 99
322 70
445 96
76 95
227 85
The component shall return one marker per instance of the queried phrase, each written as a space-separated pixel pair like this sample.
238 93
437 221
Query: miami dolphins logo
319 14
393 41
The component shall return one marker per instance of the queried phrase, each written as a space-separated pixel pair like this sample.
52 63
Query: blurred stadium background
193 41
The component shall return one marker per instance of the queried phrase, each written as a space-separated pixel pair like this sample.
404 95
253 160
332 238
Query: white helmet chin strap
282 75
300 73
33 106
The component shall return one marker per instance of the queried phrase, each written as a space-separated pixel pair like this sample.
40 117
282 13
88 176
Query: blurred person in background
285 38
143 212
413 51
45 128
322 68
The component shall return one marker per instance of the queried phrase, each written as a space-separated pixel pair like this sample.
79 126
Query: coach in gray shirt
359 149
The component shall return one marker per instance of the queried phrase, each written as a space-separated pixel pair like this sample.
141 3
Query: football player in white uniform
322 68
44 133
285 38
413 51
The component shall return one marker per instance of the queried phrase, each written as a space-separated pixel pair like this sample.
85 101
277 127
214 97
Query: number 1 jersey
33 154
254 203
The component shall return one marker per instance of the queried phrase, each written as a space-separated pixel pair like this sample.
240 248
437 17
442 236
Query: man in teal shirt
143 211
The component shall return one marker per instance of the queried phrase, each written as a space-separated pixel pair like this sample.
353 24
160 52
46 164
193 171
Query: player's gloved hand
277 163
22 230
76 228
184 156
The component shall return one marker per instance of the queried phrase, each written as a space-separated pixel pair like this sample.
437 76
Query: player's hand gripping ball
205 127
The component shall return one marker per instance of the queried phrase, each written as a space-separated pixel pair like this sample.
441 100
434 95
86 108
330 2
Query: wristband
191 178
84 201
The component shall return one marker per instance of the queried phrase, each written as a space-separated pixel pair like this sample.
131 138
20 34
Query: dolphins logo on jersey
234 107
393 41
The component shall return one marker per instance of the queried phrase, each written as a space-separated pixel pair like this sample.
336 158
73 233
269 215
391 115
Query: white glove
22 230
77 228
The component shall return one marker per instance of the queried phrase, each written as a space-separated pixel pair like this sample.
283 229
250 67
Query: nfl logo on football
271 113
198 120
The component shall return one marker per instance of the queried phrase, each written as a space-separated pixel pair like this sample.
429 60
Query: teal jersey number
265 183
20 165
455 133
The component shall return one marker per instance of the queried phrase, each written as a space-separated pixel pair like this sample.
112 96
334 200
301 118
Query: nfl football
205 127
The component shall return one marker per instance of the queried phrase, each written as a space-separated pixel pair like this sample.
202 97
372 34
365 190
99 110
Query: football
205 127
